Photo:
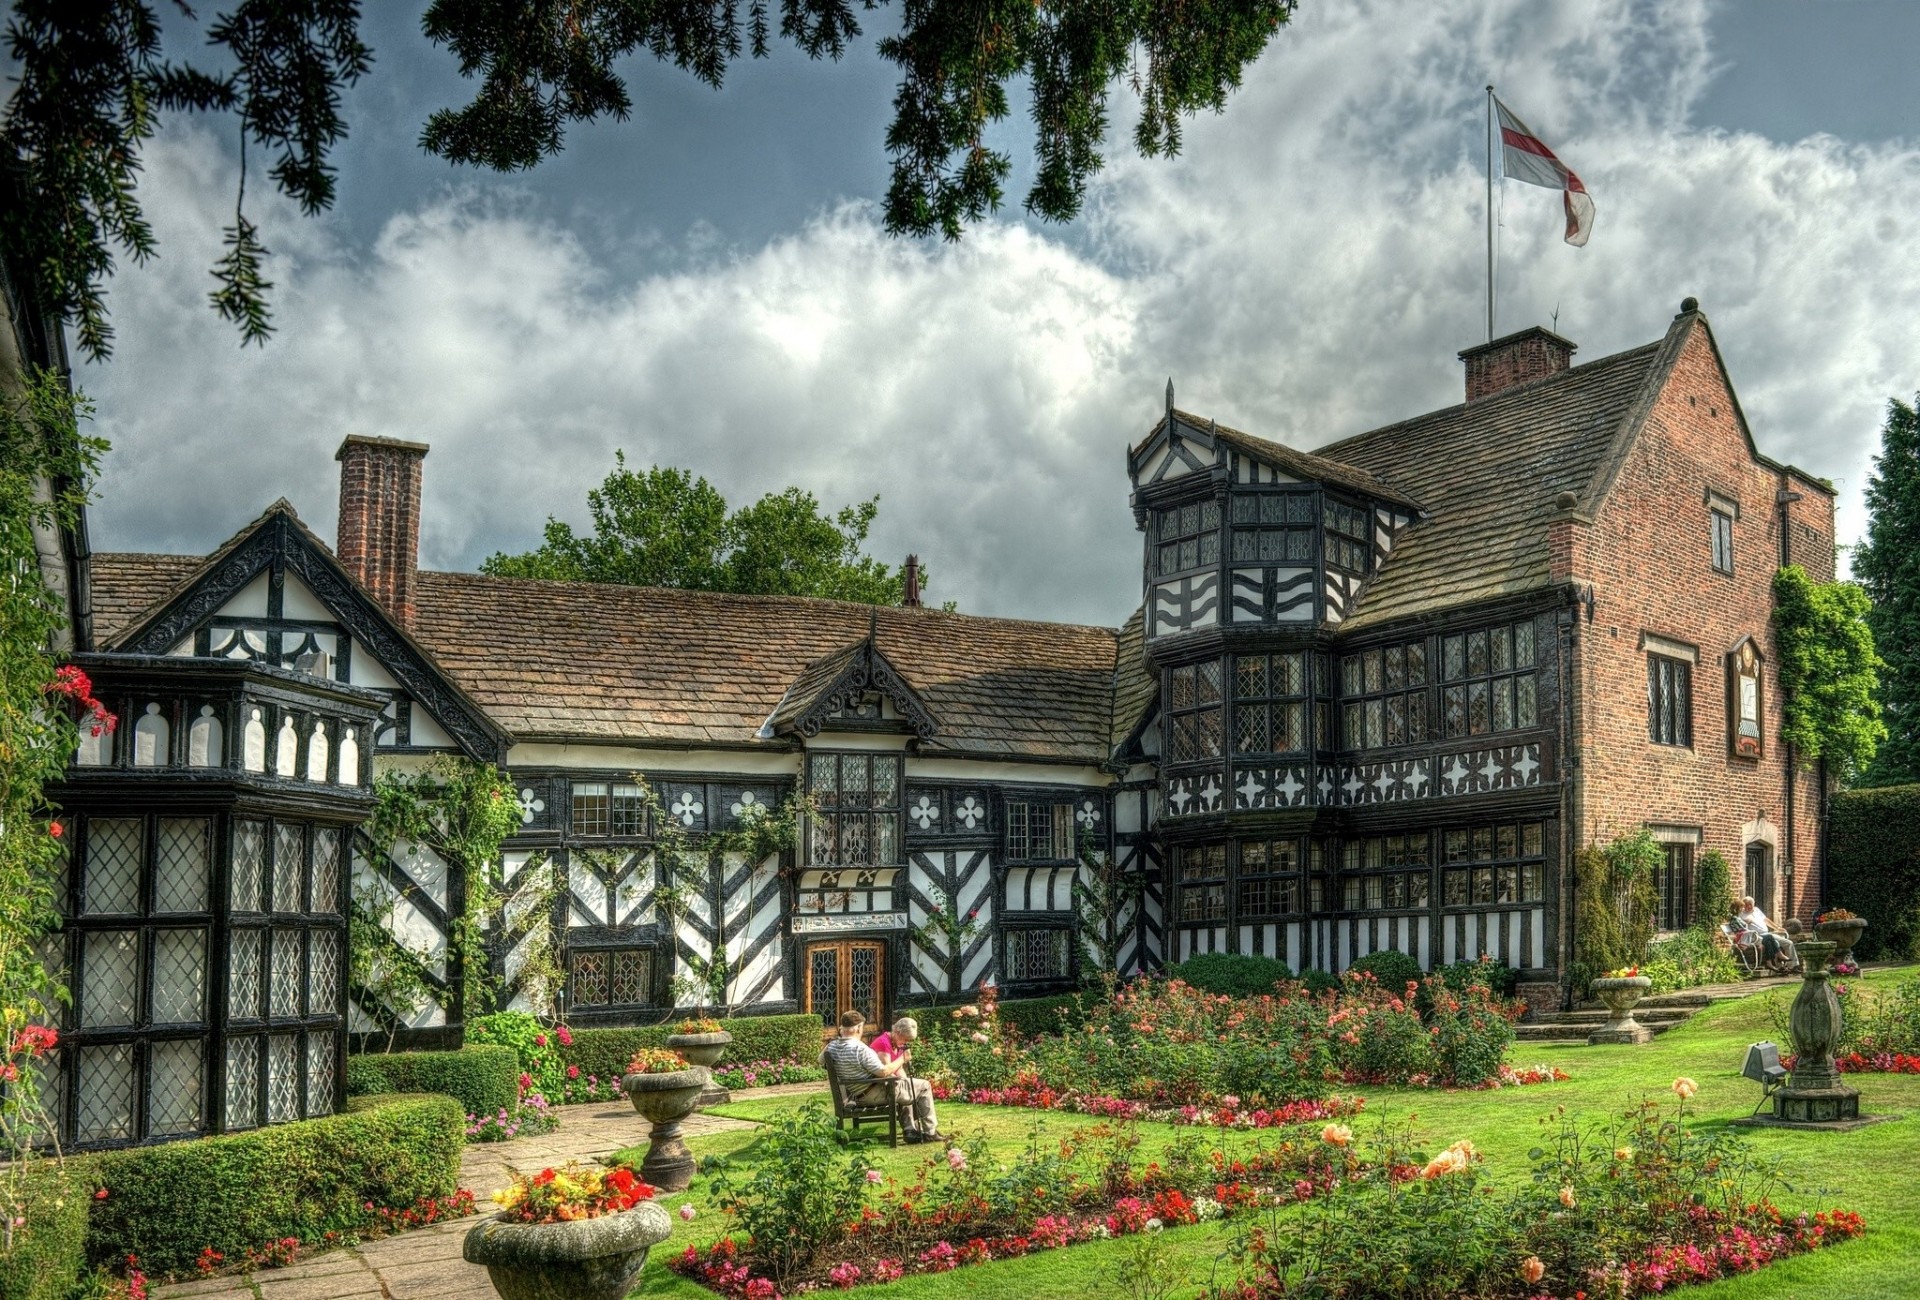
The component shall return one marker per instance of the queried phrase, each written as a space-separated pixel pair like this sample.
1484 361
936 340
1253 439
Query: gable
274 593
856 688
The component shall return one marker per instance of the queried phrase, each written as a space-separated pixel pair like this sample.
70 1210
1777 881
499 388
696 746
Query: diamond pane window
243 1082
243 974
1038 955
173 1091
285 986
180 868
323 971
289 865
179 976
1505 698
283 1079
859 819
249 865
114 850
589 979
110 992
632 974
319 1074
103 1093
326 871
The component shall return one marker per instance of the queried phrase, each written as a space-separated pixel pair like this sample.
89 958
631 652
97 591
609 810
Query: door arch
1760 875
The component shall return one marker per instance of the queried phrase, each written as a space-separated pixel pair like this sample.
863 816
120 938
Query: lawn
1870 1171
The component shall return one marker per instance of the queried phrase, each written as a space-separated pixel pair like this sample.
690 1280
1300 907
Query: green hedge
484 1079
166 1203
604 1053
1240 975
1873 867
50 1250
1391 967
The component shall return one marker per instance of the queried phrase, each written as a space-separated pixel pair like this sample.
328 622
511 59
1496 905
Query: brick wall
1533 353
379 535
1648 557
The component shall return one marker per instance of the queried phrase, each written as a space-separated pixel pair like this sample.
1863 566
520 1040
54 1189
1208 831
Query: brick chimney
379 540
1533 353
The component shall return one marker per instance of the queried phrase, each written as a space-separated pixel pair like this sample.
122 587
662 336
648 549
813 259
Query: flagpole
1489 213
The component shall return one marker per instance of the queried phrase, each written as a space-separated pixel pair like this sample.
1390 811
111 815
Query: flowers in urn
698 1025
1835 914
656 1060
1623 973
570 1193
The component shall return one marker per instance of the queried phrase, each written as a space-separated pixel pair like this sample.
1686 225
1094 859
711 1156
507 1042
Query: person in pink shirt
898 1042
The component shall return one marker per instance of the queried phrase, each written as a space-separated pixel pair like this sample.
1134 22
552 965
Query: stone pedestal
588 1259
705 1050
664 1100
1621 996
1815 1093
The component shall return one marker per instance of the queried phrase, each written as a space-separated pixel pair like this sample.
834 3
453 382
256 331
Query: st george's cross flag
1524 158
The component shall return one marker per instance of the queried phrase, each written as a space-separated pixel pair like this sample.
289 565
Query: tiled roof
1135 685
1488 473
1301 464
124 586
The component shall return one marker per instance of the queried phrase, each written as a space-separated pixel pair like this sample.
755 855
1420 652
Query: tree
1887 565
1828 671
664 527
92 81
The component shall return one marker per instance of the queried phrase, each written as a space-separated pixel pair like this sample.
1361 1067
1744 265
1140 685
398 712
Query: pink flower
539 1040
873 1176
887 1270
687 1212
979 1037
956 1159
566 1036
526 1082
844 1275
573 1071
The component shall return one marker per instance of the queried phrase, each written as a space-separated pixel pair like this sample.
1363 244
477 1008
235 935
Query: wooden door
849 974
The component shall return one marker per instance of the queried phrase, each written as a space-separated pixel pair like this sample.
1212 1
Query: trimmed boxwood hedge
605 1052
166 1203
1240 975
484 1078
1873 867
1390 966
50 1250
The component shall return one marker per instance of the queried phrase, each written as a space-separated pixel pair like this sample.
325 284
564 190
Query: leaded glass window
326 871
1203 882
1272 528
1489 682
245 952
1268 882
174 1088
289 865
320 1062
1493 866
1669 701
858 822
179 977
283 988
1186 537
1384 693
110 979
115 848
1269 708
604 977
1039 832
249 865
243 1081
1349 545
1038 954
1195 732
283 1079
1673 888
103 1093
1387 872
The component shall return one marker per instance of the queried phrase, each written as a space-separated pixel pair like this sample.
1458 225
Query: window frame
1673 887
1518 681
623 816
1361 691
659 966
1466 856
1288 514
1380 873
1197 707
1169 526
1215 884
1020 836
1271 702
832 813
1289 882
1069 950
1338 519
1721 539
1669 700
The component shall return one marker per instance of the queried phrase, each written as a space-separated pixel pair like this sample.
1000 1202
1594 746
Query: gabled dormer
855 688
1243 532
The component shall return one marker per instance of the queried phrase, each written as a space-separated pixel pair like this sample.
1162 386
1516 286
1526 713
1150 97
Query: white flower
1098 1230
1205 1207
1154 1225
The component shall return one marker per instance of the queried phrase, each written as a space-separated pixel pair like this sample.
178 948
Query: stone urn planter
1621 995
1842 934
705 1050
587 1259
663 1100
1814 1093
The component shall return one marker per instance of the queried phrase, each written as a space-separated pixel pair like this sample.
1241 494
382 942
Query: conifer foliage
1887 564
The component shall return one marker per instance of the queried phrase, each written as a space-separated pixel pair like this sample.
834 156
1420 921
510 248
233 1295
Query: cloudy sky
707 286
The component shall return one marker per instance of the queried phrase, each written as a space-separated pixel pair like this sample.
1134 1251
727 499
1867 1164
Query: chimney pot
910 583
1533 353
379 537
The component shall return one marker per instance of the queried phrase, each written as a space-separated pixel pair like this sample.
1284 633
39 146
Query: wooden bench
852 1114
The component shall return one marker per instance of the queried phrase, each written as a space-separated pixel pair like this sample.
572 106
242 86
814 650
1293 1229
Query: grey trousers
914 1098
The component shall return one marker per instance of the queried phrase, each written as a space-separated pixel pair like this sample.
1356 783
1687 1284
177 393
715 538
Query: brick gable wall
1647 555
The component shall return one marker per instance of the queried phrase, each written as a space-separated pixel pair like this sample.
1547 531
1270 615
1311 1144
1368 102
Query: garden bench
852 1114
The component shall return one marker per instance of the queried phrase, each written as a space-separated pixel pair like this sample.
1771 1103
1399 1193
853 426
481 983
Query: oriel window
1186 537
858 796
1269 703
1194 712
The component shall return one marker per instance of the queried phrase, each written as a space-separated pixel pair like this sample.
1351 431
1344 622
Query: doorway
846 975
1760 875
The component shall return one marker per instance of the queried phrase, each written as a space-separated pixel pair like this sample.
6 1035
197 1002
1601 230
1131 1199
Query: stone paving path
425 1264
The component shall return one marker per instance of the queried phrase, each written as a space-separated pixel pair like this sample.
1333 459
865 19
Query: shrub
1319 981
1470 1031
1613 905
1394 969
303 1180
536 1047
1031 1017
1713 896
605 1052
1488 972
804 1192
1236 974
49 1250
1378 1037
1873 867
1687 959
483 1078
1890 1021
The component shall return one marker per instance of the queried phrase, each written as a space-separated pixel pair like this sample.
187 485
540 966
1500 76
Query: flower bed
1878 1063
830 1223
1168 1045
1029 1093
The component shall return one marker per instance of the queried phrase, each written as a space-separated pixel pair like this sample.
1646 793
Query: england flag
1524 158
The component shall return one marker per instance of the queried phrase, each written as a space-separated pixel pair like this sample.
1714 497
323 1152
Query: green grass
1872 1170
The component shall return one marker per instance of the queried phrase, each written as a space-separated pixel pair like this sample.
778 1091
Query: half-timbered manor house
1373 697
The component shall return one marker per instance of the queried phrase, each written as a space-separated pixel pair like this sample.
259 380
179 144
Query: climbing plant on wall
462 811
1829 672
1614 898
1101 892
45 467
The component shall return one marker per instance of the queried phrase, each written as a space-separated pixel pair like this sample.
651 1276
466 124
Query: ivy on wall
1829 672
1101 892
1614 898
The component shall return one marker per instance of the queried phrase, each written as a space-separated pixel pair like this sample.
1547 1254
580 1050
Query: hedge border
50 1252
604 1053
1873 866
483 1077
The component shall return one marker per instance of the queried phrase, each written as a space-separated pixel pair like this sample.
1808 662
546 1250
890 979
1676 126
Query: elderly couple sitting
1748 928
868 1072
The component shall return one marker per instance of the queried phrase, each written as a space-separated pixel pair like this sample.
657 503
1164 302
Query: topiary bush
48 1250
1394 969
167 1203
605 1052
1238 975
483 1078
1873 867
1713 896
1319 981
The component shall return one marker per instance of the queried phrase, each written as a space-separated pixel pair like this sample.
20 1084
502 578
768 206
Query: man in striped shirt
864 1074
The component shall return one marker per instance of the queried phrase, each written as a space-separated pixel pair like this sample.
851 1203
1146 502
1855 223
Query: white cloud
1305 270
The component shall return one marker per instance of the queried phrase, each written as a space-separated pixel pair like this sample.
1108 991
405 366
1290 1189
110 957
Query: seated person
1736 930
1756 921
864 1075
898 1041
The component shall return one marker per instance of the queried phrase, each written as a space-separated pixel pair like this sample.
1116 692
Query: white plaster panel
745 763
298 601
